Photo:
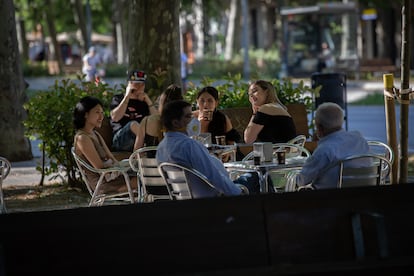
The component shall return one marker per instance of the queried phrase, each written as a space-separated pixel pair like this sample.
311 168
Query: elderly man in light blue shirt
334 144
177 147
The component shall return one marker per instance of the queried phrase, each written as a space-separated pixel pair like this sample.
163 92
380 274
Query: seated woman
213 120
150 129
270 121
91 147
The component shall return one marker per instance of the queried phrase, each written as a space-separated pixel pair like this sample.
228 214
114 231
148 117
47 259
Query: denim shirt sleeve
212 168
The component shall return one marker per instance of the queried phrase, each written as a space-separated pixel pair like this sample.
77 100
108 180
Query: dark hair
173 93
173 111
210 90
82 107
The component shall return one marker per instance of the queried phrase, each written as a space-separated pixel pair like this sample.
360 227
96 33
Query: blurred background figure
184 61
90 63
326 59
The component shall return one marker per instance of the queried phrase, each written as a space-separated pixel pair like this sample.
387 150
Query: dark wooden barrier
342 230
349 231
377 65
156 238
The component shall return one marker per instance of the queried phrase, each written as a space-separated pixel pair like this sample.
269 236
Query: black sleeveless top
217 127
276 128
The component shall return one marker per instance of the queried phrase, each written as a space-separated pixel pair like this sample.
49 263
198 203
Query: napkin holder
264 150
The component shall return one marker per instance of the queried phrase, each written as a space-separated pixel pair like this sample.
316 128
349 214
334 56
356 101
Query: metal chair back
382 149
97 197
298 140
373 174
151 184
5 167
186 183
292 150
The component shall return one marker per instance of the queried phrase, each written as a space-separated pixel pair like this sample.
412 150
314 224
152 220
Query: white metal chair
361 170
354 171
151 184
97 197
4 172
279 179
382 149
226 153
186 183
298 140
375 173
292 150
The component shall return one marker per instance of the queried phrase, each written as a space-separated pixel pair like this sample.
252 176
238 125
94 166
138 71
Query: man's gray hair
329 115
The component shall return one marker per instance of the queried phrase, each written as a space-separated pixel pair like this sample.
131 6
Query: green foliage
50 116
289 93
116 71
35 69
264 63
233 91
158 80
32 12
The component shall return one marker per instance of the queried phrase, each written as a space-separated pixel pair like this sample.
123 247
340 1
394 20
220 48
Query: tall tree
228 53
405 86
120 27
80 20
154 41
13 144
56 54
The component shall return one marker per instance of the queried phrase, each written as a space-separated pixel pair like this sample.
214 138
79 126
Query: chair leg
97 200
128 184
3 209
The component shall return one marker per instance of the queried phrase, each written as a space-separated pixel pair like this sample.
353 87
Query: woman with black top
270 121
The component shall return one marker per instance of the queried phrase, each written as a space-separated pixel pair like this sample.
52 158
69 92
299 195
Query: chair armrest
305 187
117 168
244 189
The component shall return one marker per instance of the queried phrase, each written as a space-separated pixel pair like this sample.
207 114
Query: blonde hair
271 95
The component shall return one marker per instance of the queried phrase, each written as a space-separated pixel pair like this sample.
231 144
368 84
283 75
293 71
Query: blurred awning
321 8
74 37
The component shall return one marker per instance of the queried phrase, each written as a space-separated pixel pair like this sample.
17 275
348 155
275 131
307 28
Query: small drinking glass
220 140
207 115
281 157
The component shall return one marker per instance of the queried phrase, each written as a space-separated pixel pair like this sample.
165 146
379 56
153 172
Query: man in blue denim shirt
334 144
177 147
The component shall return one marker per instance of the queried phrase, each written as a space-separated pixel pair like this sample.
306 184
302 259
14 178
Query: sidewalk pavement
25 173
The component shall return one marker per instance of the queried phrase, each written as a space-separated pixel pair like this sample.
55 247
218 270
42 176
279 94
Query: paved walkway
25 173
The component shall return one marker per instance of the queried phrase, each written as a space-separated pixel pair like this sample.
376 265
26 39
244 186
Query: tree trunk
405 85
120 22
228 53
21 35
80 20
13 144
154 42
198 28
52 32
